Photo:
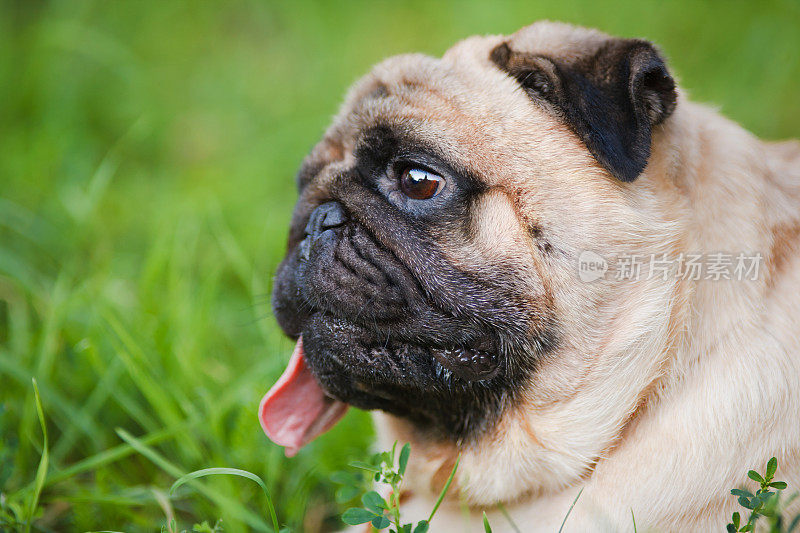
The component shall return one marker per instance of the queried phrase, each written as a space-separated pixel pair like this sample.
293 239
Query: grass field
146 181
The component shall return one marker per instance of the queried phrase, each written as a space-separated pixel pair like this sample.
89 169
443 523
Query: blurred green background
147 154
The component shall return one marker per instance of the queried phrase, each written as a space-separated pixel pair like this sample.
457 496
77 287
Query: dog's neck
713 179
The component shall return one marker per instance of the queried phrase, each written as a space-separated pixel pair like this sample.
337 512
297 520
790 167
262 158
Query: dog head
431 265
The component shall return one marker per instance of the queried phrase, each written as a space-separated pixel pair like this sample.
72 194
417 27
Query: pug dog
460 261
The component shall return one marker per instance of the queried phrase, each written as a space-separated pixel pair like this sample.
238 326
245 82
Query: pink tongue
295 410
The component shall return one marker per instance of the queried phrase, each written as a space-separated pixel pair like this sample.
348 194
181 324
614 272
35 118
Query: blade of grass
23 221
41 471
127 498
144 373
236 508
19 326
233 251
242 265
98 397
231 472
570 510
84 206
68 411
466 512
59 294
444 490
508 517
137 413
23 274
151 370
166 506
111 455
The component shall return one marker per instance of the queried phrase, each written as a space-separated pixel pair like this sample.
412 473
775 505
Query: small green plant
765 502
387 468
205 527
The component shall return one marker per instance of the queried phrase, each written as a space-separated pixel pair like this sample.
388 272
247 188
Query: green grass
146 183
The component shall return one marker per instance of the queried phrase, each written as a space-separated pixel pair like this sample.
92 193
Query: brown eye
420 184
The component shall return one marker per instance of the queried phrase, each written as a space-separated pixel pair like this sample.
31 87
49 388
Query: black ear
610 96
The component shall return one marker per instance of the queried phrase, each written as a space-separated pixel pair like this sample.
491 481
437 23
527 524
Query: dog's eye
419 184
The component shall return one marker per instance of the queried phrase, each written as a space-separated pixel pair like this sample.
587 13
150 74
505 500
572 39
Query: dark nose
327 216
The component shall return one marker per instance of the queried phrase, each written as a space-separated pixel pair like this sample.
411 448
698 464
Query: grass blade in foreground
241 512
570 510
41 472
230 472
509 519
444 490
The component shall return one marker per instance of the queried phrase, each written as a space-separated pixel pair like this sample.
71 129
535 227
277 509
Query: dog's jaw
374 338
